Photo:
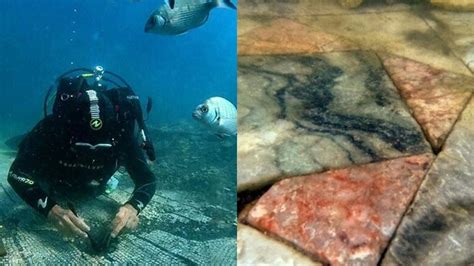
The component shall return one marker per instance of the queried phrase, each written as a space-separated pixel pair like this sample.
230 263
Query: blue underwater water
40 39
195 202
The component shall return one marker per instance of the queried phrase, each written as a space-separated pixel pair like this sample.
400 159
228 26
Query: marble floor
356 133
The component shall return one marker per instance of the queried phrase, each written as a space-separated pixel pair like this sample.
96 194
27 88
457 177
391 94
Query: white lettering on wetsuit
140 205
76 165
43 203
22 179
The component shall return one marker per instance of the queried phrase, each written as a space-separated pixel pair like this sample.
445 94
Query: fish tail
225 4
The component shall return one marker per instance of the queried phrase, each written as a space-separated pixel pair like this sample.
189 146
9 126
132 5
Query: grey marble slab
303 114
438 229
253 247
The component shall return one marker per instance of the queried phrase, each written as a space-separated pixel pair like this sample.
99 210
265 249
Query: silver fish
179 16
219 115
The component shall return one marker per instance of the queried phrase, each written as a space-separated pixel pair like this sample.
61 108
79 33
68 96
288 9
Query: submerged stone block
439 227
458 5
300 114
343 217
350 3
255 248
436 97
285 36
455 28
404 33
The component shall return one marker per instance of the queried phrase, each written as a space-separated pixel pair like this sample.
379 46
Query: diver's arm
27 188
28 162
145 186
142 176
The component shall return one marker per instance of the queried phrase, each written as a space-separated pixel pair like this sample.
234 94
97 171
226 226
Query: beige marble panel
401 33
257 249
285 36
457 30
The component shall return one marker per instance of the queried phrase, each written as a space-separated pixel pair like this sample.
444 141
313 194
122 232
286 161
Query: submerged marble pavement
342 217
455 28
255 248
441 220
303 111
306 114
190 221
435 96
278 38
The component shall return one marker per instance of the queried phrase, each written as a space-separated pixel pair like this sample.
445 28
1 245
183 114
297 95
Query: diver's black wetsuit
49 153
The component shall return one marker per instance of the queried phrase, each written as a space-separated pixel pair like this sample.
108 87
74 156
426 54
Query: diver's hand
67 223
127 217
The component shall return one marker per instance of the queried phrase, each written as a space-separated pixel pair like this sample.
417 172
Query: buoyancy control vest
96 109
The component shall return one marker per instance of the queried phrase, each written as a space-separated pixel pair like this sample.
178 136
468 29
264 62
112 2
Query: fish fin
225 4
149 106
170 3
204 20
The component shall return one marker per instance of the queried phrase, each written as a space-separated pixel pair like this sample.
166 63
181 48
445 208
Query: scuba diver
90 134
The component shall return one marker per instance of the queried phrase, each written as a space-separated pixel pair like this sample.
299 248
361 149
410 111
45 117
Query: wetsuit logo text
22 179
43 203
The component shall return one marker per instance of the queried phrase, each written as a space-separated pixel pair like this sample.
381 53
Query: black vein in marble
315 92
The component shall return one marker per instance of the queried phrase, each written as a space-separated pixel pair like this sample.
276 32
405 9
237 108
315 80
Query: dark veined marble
304 114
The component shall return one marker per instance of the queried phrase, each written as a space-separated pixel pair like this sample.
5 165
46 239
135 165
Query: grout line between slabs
289 244
324 14
407 106
409 205
441 148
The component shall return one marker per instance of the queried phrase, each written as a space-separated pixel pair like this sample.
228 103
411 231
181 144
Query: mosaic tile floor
190 221
355 134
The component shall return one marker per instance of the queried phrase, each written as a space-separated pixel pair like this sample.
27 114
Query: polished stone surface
284 36
458 5
402 33
255 248
436 97
343 217
350 3
455 28
294 8
439 227
427 46
306 114
256 13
